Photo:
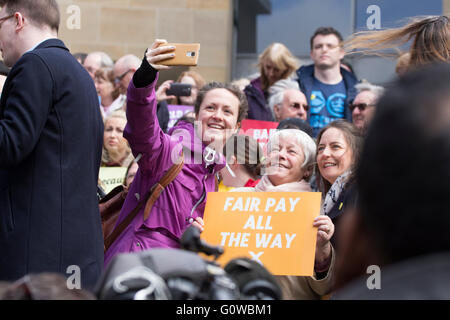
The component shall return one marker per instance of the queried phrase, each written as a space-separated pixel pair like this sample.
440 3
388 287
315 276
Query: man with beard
328 87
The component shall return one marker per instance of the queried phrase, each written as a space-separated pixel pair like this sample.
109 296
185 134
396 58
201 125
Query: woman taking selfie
219 109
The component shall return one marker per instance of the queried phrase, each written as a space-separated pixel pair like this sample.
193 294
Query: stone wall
119 27
446 9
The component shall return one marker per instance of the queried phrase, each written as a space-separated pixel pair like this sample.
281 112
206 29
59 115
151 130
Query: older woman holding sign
289 165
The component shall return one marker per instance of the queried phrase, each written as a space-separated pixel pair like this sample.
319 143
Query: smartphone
179 89
186 54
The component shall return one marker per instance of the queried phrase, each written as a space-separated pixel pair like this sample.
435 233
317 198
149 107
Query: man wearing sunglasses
51 134
363 107
288 101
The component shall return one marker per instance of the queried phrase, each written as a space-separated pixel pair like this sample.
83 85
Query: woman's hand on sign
325 230
198 223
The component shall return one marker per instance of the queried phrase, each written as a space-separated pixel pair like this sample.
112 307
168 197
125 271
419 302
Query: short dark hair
296 123
404 173
243 104
40 12
247 151
324 31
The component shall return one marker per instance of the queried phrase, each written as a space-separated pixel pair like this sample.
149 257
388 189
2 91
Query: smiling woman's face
218 115
334 155
285 161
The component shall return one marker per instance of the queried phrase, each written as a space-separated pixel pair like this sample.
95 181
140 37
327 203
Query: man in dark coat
50 149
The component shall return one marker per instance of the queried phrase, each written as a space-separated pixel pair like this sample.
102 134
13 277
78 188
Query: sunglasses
298 106
360 106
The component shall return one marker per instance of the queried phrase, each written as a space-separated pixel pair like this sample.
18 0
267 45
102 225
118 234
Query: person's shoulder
29 62
253 86
348 76
306 70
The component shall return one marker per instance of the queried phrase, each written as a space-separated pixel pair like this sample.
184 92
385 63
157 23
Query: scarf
335 191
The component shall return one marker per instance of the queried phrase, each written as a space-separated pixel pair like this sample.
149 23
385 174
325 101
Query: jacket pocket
6 214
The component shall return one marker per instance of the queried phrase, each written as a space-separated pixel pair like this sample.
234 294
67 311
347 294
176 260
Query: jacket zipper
199 201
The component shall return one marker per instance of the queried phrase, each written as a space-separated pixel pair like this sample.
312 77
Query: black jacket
347 199
51 134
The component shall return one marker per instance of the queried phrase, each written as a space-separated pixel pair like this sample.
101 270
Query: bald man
124 69
96 60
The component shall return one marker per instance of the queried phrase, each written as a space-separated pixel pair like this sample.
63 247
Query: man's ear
277 111
20 21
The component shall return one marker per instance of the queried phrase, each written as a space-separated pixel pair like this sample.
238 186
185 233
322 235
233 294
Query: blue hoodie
306 82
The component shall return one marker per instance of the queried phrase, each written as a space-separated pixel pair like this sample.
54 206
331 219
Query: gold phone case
186 54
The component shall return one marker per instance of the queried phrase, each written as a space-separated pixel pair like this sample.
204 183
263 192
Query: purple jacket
258 108
183 198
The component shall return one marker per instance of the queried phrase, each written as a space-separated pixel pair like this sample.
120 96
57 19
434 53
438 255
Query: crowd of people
379 156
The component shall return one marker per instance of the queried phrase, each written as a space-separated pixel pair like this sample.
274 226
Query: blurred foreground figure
42 286
401 223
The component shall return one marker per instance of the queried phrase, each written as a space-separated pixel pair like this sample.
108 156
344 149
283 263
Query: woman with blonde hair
430 35
276 62
116 151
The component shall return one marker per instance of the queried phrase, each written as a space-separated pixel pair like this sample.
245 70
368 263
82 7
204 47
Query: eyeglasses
298 106
360 106
118 79
329 46
4 19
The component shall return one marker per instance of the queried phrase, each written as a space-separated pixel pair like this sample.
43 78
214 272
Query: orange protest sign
273 228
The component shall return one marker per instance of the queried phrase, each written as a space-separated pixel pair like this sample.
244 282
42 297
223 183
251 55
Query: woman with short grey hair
288 167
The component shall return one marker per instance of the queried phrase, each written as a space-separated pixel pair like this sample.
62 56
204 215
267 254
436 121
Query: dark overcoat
50 150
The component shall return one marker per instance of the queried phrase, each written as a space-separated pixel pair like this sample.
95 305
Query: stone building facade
119 27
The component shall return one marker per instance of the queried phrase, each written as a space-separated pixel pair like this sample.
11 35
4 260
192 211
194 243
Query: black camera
178 274
179 89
